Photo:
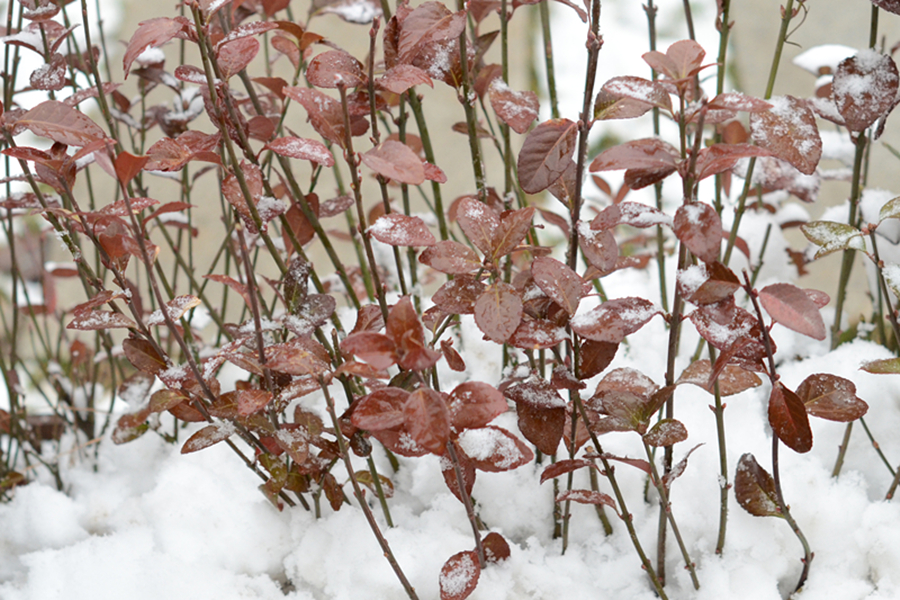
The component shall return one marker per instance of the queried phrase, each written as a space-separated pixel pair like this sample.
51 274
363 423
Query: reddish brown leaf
831 397
374 348
398 229
609 106
300 356
614 319
155 33
450 257
498 312
563 467
459 576
594 357
514 225
516 109
394 160
788 130
634 214
598 247
787 416
143 355
454 360
681 60
732 379
707 283
474 404
793 308
754 489
333 68
382 409
61 123
546 154
428 420
93 320
559 282
586 497
232 283
666 432
722 157
233 57
250 402
459 295
479 222
325 114
892 6
699 227
206 437
493 449
639 89
428 23
541 413
128 165
496 548
163 400
646 155
402 77
303 149
865 88
537 334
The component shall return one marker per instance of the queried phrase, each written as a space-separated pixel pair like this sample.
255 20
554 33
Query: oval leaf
397 161
792 307
559 282
865 88
831 397
396 229
754 489
498 311
787 416
614 319
788 130
700 228
546 154
493 449
666 432
459 576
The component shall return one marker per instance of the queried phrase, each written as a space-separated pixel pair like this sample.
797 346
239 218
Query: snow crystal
489 444
455 580
692 278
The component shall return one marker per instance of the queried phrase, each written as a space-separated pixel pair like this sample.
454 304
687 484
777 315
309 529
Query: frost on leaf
700 228
206 437
516 109
333 68
788 130
479 222
450 257
638 89
303 149
865 88
459 576
666 432
754 488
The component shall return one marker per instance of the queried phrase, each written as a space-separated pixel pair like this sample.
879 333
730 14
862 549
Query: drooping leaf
788 130
498 311
559 282
397 229
453 358
787 416
143 355
754 488
594 357
155 33
831 397
789 305
563 467
865 88
459 576
493 449
428 23
546 154
395 160
615 319
699 227
405 329
586 497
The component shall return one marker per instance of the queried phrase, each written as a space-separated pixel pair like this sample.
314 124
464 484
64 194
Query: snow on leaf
831 237
209 435
700 228
397 229
333 68
459 576
303 149
615 319
831 397
516 109
450 257
493 449
176 307
865 88
639 89
788 130
93 320
479 222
